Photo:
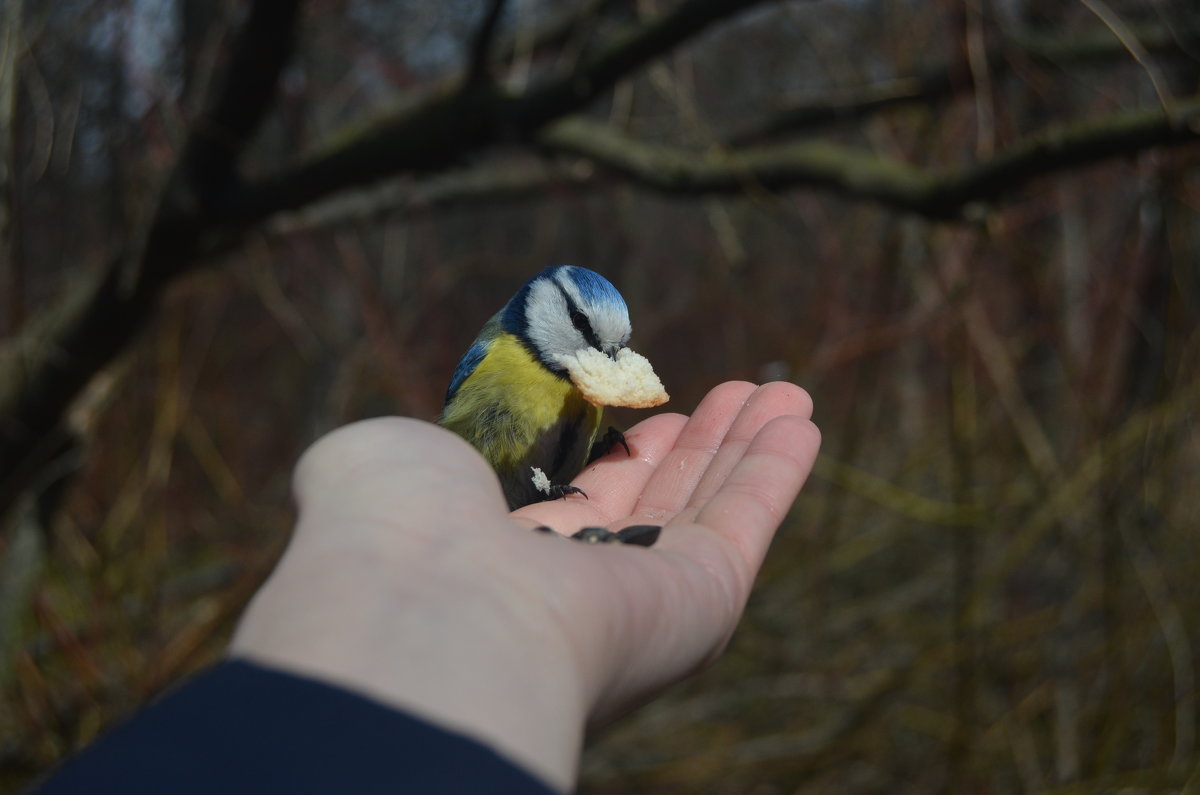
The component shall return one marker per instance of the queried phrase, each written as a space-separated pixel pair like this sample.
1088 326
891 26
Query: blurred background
968 227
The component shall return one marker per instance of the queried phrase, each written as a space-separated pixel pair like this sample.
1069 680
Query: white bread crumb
540 481
628 380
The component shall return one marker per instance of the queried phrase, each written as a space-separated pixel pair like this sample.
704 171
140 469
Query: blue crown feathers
593 288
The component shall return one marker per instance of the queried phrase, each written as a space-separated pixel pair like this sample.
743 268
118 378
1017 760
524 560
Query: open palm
720 482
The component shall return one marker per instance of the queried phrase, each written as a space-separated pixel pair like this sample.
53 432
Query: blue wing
467 365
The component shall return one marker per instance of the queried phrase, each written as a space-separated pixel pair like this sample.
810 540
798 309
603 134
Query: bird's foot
553 491
560 492
607 443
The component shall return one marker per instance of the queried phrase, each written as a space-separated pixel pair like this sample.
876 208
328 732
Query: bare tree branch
851 172
208 164
481 47
939 83
437 133
864 175
559 29
488 184
11 45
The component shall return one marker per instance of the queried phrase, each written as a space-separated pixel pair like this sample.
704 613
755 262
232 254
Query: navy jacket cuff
245 728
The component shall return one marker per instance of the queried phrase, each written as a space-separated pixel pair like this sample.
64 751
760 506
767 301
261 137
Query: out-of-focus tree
967 226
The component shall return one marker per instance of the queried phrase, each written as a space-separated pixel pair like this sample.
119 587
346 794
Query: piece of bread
628 380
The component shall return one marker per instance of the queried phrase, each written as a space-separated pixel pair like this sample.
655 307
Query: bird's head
566 309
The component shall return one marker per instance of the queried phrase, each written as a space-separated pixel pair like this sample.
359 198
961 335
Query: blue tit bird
513 396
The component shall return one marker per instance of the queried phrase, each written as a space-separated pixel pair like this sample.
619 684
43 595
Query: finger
757 494
768 402
619 478
676 477
387 460
391 482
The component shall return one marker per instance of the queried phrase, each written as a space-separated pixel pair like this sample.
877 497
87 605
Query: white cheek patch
628 380
547 324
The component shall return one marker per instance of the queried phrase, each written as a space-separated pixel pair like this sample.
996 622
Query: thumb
396 472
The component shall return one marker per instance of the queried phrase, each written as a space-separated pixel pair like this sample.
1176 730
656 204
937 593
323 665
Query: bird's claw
560 492
607 443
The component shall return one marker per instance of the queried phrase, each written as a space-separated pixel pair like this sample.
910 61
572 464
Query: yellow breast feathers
508 401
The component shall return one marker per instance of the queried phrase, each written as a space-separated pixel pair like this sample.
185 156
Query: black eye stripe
580 320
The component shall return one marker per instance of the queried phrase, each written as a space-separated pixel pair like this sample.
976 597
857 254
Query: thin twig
1130 42
485 39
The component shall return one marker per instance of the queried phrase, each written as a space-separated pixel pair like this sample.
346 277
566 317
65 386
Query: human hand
408 580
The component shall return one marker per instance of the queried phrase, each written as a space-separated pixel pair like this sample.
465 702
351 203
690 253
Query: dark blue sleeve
243 728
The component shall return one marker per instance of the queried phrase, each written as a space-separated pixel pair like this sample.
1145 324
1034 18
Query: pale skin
408 580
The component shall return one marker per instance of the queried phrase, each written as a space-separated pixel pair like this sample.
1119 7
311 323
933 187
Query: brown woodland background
967 227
